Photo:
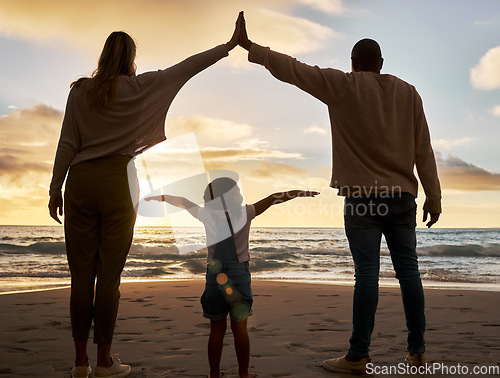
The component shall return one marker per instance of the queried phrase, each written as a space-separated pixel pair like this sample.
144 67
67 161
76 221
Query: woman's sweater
134 123
378 126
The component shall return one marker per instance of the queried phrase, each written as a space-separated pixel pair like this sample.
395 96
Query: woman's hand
56 203
233 42
244 41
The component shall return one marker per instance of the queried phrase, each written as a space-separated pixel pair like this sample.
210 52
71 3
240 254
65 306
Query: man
379 134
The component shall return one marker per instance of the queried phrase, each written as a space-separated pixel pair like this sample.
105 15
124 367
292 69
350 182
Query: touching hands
244 41
239 36
233 42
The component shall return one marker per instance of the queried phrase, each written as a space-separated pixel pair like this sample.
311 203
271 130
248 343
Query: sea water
34 257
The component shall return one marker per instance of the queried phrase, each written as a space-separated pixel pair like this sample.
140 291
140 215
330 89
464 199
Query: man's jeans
366 219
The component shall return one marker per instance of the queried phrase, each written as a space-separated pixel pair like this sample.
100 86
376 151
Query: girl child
227 290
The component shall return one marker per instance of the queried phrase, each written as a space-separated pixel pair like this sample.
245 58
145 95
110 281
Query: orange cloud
267 169
232 154
166 31
456 174
208 129
29 139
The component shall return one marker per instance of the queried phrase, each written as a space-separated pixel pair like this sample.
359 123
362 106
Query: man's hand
434 217
56 203
244 41
233 42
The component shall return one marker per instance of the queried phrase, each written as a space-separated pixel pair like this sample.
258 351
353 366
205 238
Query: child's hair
218 188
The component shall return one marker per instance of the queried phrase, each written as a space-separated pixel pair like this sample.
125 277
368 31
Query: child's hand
281 197
153 198
301 193
307 193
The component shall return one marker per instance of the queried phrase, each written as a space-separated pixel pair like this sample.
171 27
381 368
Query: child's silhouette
227 289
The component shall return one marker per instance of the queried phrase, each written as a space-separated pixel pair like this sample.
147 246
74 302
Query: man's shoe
344 365
81 372
117 370
416 359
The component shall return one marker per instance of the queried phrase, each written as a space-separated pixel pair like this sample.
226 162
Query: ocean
33 257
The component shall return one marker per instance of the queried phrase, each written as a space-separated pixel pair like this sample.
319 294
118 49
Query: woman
109 118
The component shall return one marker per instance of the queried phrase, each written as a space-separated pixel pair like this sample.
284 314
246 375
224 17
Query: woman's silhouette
109 118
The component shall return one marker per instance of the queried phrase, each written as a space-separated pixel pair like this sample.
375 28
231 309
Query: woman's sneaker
117 370
345 365
81 371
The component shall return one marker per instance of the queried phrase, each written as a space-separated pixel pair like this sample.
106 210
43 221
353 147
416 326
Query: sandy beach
161 333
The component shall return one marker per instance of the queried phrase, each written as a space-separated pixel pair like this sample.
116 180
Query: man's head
366 56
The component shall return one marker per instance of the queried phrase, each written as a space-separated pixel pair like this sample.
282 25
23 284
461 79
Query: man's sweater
135 122
378 126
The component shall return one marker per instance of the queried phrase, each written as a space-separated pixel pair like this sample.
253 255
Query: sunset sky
235 115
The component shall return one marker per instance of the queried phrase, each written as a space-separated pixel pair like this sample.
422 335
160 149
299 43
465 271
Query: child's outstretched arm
181 202
280 197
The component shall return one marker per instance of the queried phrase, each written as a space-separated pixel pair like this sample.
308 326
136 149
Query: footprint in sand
27 328
187 298
53 323
308 313
203 325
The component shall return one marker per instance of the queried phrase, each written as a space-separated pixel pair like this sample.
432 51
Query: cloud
210 129
314 129
293 35
199 143
457 174
485 23
267 169
30 136
486 74
243 154
12 164
222 140
27 149
495 111
29 139
166 31
447 144
327 6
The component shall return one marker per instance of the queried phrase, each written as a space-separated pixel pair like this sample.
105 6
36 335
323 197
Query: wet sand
161 332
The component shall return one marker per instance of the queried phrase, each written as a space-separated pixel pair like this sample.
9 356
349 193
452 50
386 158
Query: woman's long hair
117 58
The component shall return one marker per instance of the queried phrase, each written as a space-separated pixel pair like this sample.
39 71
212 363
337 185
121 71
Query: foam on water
446 256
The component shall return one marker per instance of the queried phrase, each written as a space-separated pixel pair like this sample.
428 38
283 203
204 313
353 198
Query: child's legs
215 344
241 345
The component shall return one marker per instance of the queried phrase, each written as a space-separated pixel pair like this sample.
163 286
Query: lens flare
222 279
214 266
